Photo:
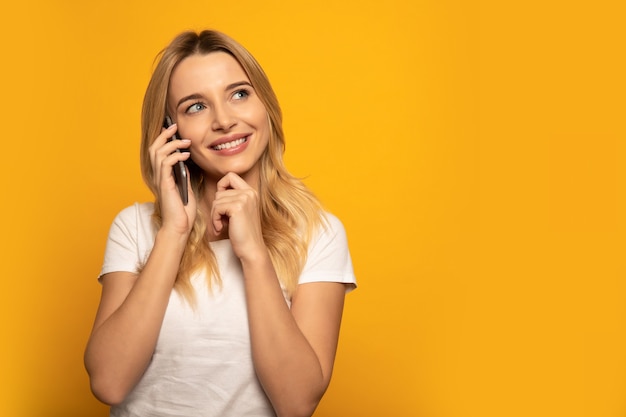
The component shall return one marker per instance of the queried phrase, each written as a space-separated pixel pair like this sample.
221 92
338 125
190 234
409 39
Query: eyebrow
197 96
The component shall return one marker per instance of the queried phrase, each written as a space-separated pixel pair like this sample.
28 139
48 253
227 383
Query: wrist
172 236
255 258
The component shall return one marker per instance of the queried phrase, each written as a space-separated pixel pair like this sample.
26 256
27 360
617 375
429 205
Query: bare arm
293 350
132 306
128 322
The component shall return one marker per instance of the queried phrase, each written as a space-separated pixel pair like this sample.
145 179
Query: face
215 106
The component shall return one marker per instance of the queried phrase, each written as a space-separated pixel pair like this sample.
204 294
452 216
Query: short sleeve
329 256
130 240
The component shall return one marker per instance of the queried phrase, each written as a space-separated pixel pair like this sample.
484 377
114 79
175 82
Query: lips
229 145
229 142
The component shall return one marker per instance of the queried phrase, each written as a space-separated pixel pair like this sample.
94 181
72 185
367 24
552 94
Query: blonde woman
230 304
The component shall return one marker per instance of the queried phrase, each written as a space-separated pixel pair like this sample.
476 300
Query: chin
245 172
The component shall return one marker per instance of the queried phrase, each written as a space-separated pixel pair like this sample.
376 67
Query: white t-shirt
202 364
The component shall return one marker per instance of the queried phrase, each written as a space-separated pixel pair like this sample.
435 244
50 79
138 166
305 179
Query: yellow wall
475 152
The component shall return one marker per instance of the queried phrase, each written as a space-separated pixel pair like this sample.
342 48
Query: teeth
229 145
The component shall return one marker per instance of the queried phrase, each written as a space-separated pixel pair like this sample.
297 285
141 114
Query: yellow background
474 150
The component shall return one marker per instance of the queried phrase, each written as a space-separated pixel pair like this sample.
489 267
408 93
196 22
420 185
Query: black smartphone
180 170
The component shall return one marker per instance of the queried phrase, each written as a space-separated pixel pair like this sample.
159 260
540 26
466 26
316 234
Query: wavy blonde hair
290 213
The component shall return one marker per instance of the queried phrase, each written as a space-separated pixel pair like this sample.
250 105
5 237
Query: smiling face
215 106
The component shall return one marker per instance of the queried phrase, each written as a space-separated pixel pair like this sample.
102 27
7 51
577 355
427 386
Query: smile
231 144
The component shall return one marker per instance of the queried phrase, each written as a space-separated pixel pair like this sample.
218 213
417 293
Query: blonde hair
290 213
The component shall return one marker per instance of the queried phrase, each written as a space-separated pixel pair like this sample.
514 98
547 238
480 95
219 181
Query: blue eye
240 94
195 107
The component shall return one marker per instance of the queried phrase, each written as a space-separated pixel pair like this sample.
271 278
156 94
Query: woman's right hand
176 217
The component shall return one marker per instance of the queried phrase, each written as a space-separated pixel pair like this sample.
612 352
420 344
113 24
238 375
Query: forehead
212 70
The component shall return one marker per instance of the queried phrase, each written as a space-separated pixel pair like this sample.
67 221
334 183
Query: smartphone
180 170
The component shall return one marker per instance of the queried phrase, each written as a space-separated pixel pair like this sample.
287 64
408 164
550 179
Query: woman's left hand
236 206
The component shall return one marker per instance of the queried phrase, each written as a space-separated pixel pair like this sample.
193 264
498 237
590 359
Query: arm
132 306
128 322
293 349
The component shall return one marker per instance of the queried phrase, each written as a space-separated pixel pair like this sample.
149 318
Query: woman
230 304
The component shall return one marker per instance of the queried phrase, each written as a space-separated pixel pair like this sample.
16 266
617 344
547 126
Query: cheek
263 121
264 130
257 114
193 131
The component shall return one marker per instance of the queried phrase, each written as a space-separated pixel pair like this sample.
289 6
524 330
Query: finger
238 196
219 217
173 146
161 156
166 134
162 138
230 204
158 143
168 162
231 180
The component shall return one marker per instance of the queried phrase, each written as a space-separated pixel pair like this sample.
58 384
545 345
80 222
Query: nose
223 118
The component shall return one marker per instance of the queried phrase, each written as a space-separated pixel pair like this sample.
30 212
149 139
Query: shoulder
136 215
330 228
136 211
333 221
134 222
130 240
329 257
329 240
